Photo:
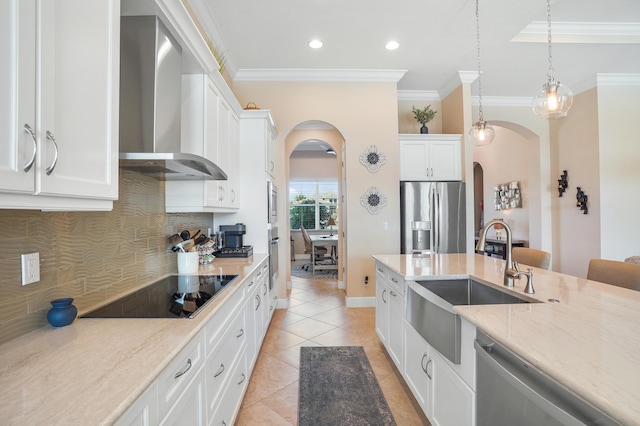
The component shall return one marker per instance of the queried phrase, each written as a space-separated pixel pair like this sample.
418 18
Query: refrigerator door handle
435 228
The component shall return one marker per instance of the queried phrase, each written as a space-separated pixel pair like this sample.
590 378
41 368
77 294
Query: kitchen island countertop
91 371
587 337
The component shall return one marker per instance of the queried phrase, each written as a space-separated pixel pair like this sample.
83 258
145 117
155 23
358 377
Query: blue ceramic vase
63 312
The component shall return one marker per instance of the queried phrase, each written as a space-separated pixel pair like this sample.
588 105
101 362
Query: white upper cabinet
209 128
59 104
430 157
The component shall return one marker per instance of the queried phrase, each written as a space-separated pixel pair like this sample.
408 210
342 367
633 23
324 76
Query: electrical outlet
385 226
30 268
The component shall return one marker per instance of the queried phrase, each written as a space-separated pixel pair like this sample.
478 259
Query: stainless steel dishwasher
510 391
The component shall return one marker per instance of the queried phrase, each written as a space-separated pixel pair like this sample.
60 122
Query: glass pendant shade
553 100
482 133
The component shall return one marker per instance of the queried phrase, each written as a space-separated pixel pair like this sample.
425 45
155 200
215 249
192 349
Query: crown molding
581 32
462 77
418 95
320 75
612 79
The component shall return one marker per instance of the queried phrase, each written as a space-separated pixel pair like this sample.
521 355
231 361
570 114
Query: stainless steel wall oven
272 202
273 256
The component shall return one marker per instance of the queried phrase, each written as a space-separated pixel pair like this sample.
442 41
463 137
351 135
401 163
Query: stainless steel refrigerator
432 217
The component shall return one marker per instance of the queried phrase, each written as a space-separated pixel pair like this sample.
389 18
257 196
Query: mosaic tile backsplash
90 256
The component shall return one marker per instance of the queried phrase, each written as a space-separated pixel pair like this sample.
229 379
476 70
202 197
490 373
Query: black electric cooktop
175 296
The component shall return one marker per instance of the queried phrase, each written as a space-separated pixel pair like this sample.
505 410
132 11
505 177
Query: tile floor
317 316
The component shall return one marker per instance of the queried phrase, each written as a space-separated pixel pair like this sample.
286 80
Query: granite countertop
91 371
589 340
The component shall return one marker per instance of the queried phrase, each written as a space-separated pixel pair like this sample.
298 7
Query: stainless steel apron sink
430 309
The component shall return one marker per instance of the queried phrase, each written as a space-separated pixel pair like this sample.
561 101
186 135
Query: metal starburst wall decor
373 200
372 158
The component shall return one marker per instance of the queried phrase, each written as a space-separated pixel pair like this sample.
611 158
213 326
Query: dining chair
621 274
321 251
531 257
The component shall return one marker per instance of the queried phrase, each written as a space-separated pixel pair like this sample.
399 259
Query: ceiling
437 40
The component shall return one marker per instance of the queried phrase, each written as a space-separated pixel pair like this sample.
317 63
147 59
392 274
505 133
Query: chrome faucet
529 274
509 270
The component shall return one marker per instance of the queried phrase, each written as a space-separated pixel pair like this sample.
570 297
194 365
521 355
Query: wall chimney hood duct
151 102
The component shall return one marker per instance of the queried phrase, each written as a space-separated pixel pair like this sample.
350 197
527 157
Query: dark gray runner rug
338 387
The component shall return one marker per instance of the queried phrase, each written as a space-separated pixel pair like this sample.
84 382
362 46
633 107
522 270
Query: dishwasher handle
549 402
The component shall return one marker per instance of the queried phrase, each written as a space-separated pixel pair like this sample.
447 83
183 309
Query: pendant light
554 99
481 133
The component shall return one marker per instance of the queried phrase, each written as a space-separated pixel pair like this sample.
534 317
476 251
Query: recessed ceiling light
315 44
392 45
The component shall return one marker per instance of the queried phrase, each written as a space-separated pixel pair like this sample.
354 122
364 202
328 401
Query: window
311 204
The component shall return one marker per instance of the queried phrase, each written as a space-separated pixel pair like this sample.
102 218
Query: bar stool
621 274
531 257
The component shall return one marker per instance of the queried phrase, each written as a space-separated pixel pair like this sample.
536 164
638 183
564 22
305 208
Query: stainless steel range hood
150 104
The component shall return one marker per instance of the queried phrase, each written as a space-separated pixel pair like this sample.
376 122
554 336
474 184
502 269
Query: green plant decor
423 115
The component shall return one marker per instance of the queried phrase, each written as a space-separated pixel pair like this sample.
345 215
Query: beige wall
535 130
407 121
364 114
88 256
313 167
504 161
575 149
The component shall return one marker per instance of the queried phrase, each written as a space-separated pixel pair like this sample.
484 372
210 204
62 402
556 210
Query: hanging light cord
551 71
480 116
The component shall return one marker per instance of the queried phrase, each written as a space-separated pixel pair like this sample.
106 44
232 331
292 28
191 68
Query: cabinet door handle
424 367
29 164
243 379
220 371
380 270
265 290
383 292
394 280
258 300
251 283
273 166
183 372
55 156
426 370
241 333
393 293
233 195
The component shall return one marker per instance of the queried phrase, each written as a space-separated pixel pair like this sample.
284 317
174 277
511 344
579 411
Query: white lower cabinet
445 391
443 395
232 399
395 341
180 372
453 401
417 366
250 315
143 412
220 362
190 407
382 309
205 383
390 311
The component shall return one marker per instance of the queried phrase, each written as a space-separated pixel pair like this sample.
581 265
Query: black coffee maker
233 241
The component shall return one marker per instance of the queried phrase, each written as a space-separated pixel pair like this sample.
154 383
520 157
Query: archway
515 155
307 159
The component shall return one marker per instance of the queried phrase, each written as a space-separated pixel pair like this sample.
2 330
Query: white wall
619 148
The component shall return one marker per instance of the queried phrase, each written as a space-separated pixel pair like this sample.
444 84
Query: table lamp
331 224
